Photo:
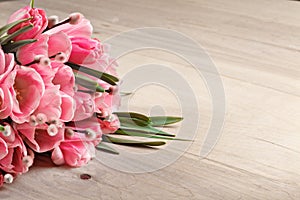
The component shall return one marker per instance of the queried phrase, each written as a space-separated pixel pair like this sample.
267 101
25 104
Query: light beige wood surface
255 46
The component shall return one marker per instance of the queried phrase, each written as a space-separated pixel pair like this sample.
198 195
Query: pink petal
67 107
59 43
3 149
57 156
27 53
50 103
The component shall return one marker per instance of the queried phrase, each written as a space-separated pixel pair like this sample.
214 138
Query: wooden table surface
255 46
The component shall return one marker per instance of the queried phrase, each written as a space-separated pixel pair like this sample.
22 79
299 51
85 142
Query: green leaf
5 28
164 120
110 76
12 47
7 38
88 83
100 75
131 141
144 129
32 3
133 121
104 147
137 134
133 115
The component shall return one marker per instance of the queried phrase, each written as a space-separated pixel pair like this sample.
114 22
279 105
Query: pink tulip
84 106
27 93
68 107
40 138
106 103
98 59
3 148
110 125
28 53
64 77
59 43
6 101
6 83
7 63
82 29
85 50
46 72
91 123
74 153
39 22
79 149
16 152
58 102
47 46
50 103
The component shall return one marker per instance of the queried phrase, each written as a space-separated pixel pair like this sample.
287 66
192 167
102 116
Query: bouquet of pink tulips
59 94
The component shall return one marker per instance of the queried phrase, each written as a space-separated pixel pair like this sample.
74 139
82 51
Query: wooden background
255 46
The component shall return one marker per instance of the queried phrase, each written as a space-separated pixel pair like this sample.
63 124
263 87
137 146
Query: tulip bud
61 57
74 18
52 130
27 161
41 118
42 60
33 121
52 20
112 90
69 133
90 134
8 178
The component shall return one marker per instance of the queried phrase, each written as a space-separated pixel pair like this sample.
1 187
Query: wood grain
255 46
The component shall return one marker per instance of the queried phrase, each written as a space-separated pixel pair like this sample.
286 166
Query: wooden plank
255 46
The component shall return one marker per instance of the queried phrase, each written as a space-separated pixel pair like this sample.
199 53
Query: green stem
32 3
